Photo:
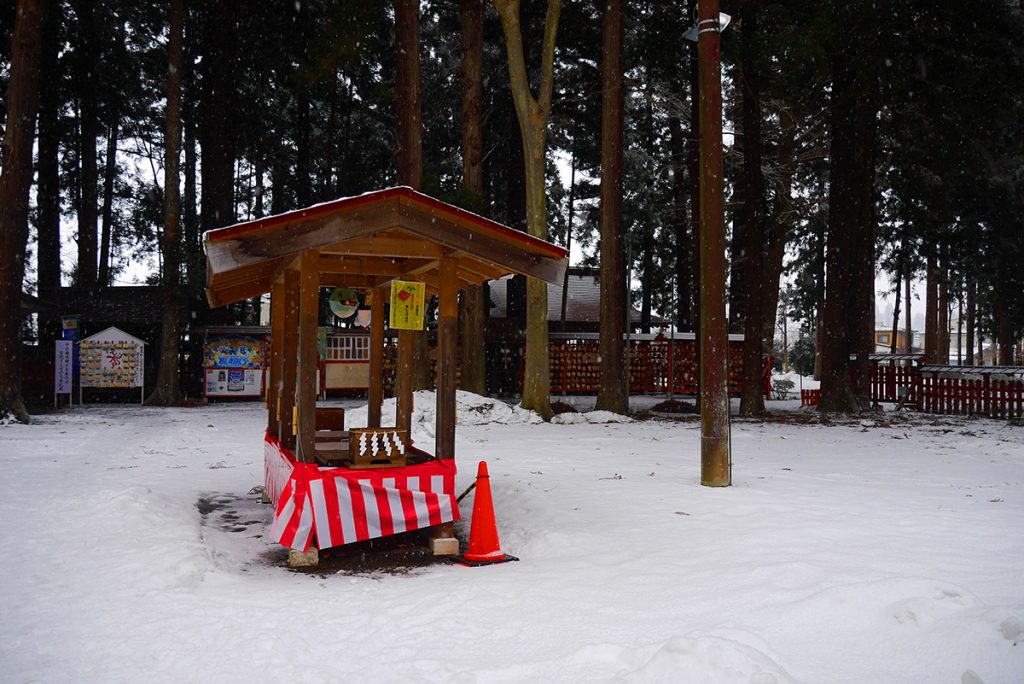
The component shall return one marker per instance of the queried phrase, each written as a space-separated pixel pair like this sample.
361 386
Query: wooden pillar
375 392
289 357
447 349
403 380
276 347
309 307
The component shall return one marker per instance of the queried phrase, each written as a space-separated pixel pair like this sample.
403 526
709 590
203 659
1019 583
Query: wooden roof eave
240 258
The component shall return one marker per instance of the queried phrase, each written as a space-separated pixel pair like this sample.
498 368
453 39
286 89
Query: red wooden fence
967 391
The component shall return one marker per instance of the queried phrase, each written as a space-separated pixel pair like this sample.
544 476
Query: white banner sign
62 367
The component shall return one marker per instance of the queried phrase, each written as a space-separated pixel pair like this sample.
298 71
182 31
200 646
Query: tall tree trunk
931 311
568 230
409 138
907 318
1003 324
819 283
167 390
471 22
48 185
693 174
971 307
960 327
861 316
217 132
897 288
532 114
844 218
646 282
408 114
109 174
86 63
683 243
190 218
693 171
15 179
779 230
942 331
752 396
613 394
218 107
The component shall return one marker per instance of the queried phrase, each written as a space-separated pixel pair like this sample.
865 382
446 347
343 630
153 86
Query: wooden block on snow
444 546
309 559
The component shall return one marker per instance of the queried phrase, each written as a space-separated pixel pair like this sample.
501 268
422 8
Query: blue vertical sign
70 331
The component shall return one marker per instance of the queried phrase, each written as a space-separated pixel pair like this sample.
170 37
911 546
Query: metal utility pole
715 452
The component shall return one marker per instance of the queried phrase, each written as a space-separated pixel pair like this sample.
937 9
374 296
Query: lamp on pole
715 451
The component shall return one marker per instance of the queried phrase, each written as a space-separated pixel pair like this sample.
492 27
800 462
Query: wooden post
289 357
447 349
309 309
403 380
375 392
276 347
713 340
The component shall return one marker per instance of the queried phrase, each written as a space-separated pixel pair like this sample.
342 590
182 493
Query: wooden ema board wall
377 447
576 369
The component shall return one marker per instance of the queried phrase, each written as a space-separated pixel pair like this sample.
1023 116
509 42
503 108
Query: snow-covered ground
885 550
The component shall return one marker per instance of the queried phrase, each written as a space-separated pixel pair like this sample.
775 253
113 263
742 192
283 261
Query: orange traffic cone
484 547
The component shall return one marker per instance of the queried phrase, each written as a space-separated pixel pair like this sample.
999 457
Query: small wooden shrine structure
365 243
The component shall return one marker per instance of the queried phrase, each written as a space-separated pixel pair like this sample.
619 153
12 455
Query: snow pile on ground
571 418
799 381
470 409
852 552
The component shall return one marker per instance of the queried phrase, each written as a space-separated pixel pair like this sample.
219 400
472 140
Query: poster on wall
233 366
233 382
407 310
233 351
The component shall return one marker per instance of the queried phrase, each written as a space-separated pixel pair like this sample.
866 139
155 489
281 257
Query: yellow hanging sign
407 305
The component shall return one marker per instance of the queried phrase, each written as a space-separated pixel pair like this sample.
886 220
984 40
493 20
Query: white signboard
234 382
112 358
62 367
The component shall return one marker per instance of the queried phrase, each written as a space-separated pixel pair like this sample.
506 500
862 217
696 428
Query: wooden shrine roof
369 240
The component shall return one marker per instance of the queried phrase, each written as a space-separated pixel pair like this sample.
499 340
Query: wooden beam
403 380
276 349
289 358
375 392
373 266
483 247
387 246
316 234
309 308
356 281
433 282
413 268
468 266
229 295
447 345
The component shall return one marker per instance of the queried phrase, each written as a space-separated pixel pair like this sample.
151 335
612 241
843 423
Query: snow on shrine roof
368 240
112 334
959 371
582 305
